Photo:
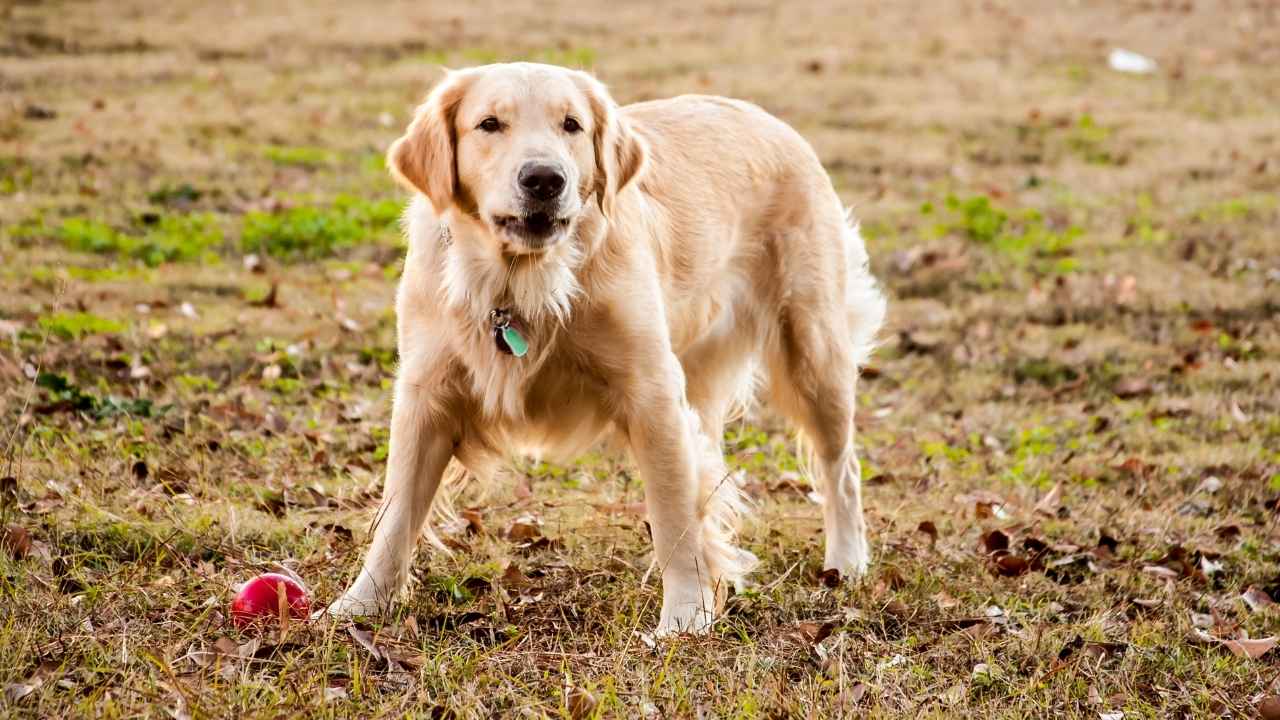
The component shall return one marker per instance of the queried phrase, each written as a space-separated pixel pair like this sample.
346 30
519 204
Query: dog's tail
865 303
721 505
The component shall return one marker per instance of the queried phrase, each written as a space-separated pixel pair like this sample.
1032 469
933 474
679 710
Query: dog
579 271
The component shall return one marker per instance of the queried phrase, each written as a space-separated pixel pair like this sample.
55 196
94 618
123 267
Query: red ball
258 600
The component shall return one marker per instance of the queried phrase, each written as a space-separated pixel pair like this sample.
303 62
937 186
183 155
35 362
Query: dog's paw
685 619
351 606
851 558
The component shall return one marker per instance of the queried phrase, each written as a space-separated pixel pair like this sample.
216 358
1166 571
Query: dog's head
520 148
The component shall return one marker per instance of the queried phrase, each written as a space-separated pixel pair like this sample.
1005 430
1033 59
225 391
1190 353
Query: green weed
61 390
167 238
1022 235
312 232
74 325
1088 139
181 194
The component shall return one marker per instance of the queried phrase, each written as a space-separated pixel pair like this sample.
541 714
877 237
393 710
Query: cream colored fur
705 248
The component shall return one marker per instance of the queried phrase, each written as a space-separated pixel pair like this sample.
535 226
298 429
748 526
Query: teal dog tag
506 335
515 341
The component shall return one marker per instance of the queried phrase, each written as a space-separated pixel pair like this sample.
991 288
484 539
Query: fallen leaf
580 703
513 578
1252 649
1227 532
1051 502
1011 565
1132 387
335 693
1107 546
1161 571
1237 414
16 542
993 541
13 692
811 633
365 640
522 532
474 524
1209 485
1135 467
1257 600
226 646
928 528
1269 708
829 578
944 600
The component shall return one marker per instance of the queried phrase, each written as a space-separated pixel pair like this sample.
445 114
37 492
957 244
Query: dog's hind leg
822 337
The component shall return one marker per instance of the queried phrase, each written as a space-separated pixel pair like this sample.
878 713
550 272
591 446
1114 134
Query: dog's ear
620 152
424 158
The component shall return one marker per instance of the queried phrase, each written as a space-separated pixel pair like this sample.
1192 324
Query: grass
306 231
1022 235
1069 433
160 239
74 325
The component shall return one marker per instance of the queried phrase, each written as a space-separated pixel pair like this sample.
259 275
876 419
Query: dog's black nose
541 181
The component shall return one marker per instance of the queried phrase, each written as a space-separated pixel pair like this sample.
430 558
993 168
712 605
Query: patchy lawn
1071 433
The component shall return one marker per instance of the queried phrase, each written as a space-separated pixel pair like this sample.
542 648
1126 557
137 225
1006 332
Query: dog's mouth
535 230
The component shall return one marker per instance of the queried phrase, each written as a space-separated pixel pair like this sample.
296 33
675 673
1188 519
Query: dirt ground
1071 434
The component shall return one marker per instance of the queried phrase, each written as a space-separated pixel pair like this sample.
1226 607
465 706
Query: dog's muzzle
543 217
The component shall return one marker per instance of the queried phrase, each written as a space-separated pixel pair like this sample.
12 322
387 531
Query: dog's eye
571 125
490 125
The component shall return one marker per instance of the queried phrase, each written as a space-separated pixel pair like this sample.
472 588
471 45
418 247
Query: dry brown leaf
513 578
523 532
1135 467
944 600
1227 532
928 528
474 522
365 640
580 703
226 646
1132 387
1257 600
993 541
1011 565
1269 708
811 633
16 541
1051 502
1252 649
1161 571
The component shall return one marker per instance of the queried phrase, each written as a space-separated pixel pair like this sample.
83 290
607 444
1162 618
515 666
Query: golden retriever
579 271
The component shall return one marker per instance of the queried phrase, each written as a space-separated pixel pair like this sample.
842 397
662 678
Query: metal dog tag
506 335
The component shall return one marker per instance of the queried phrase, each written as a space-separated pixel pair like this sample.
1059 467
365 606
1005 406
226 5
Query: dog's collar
507 330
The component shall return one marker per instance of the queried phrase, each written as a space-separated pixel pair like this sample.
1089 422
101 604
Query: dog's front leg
661 430
420 449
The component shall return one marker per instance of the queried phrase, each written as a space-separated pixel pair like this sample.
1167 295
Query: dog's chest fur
544 405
